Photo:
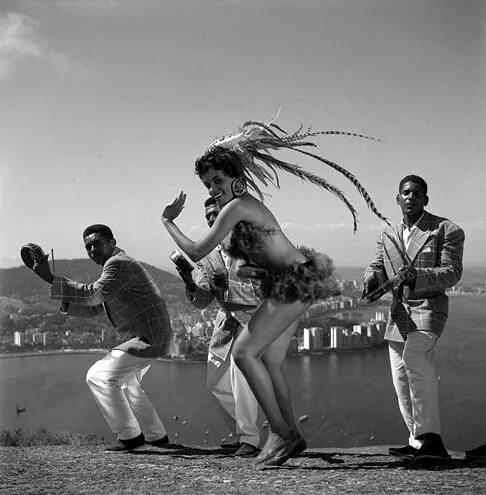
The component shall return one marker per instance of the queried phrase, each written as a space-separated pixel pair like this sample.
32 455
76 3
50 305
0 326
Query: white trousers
116 385
414 378
234 398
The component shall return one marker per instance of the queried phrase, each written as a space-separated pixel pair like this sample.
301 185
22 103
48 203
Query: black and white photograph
243 247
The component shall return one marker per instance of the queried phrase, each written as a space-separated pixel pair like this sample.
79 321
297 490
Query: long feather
309 177
254 140
351 178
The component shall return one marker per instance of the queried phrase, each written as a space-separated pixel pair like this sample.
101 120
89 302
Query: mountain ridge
20 282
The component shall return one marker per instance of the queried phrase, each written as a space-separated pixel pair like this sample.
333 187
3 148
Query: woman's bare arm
229 216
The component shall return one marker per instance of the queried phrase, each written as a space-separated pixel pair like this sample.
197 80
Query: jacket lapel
394 249
419 237
218 261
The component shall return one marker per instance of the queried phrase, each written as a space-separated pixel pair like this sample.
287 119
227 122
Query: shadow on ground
332 460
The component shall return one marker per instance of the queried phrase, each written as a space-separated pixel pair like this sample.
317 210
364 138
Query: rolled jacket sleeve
93 294
203 293
377 265
449 269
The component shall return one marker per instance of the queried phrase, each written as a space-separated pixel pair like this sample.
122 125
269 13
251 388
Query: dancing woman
292 278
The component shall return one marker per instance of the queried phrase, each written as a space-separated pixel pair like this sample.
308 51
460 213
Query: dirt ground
186 470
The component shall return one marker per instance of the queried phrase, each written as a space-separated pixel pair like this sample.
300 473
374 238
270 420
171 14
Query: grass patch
40 437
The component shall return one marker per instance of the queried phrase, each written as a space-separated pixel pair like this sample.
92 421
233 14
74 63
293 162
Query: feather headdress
253 142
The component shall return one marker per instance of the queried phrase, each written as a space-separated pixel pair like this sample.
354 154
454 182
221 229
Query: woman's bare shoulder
251 210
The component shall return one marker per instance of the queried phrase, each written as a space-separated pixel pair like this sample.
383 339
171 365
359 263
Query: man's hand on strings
410 275
370 284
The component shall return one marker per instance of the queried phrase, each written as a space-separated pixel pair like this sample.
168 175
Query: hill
21 283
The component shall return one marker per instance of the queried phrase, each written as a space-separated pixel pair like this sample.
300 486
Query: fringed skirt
307 281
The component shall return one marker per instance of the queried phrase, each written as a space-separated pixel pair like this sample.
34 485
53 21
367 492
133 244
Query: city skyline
106 105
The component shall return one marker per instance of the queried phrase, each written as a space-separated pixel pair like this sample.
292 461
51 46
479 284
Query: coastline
52 353
56 352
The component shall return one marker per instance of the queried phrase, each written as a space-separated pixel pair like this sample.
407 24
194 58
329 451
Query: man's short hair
416 180
99 228
209 202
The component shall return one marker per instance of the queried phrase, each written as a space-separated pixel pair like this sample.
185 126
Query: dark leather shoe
477 453
269 451
432 449
233 445
161 442
126 445
407 452
283 450
246 450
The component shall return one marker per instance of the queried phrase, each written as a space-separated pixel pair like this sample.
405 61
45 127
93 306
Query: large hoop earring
238 186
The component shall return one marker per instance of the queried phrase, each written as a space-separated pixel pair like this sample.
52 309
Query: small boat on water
20 409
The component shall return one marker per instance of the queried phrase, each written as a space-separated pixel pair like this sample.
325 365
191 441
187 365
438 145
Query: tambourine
31 253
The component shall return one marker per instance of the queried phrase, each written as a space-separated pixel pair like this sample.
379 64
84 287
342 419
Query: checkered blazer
237 302
435 251
131 300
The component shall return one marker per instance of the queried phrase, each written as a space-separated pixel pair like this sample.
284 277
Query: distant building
380 316
337 338
179 347
198 330
348 316
346 304
381 327
188 319
313 338
109 335
19 339
354 340
373 334
362 332
173 312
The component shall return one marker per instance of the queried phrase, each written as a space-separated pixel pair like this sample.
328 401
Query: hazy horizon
170 268
106 105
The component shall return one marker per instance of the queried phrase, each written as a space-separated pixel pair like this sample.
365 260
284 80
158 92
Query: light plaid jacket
435 251
131 300
237 303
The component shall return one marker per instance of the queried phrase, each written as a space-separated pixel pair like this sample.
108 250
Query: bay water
344 399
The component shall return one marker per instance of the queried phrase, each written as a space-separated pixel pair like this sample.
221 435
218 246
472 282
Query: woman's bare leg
273 358
267 324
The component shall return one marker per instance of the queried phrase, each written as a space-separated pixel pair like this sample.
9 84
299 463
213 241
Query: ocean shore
176 360
67 352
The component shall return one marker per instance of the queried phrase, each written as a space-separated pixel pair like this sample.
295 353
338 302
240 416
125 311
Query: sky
105 105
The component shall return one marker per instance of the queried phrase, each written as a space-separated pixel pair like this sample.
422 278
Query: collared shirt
226 258
407 231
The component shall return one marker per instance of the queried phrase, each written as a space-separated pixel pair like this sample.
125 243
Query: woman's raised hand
173 210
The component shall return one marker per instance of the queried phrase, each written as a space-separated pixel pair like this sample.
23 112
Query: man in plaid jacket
132 302
238 299
427 250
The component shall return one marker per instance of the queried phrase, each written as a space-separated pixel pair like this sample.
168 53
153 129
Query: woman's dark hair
220 159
